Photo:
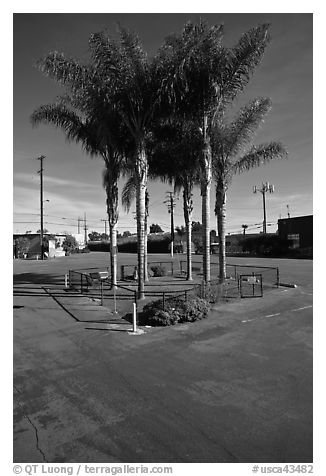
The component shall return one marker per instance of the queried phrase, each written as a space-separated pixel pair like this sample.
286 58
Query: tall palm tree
174 153
127 197
233 152
86 116
203 77
134 85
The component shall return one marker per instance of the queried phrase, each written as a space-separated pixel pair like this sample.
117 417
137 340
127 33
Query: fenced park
167 281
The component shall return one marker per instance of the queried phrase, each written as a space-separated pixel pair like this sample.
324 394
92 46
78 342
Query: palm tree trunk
206 195
146 235
145 252
187 211
221 220
141 176
113 215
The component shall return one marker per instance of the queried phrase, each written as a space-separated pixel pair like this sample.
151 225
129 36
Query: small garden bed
173 311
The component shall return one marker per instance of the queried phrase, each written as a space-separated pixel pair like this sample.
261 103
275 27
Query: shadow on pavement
37 278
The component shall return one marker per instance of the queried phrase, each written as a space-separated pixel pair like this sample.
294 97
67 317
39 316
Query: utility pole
85 228
266 187
78 228
105 226
41 158
288 209
170 201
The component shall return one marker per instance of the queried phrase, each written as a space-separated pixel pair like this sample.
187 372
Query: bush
158 271
175 310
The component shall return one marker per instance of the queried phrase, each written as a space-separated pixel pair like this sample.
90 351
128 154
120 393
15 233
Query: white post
115 300
66 281
134 315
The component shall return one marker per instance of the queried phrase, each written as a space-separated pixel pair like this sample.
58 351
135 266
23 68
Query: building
28 245
298 232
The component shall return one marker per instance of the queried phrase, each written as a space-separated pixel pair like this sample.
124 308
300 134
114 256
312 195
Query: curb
286 285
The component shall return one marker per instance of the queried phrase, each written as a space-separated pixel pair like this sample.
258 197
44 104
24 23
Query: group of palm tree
163 117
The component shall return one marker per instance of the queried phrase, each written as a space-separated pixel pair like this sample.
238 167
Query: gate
250 285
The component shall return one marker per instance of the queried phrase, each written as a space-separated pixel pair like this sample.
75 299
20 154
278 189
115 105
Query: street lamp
266 187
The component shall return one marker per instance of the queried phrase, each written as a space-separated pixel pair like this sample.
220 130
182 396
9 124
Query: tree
44 230
135 92
69 244
95 236
155 228
128 196
232 153
126 233
174 153
205 77
87 116
22 245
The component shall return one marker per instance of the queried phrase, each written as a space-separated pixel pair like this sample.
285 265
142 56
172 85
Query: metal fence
270 274
129 272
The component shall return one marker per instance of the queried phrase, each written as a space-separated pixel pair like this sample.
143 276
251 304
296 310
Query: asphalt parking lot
236 387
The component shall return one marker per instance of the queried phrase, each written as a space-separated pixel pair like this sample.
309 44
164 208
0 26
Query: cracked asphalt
235 387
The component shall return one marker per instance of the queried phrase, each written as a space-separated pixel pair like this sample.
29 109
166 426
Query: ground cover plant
173 311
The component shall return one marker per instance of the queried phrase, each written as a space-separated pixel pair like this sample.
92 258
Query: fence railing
270 274
130 271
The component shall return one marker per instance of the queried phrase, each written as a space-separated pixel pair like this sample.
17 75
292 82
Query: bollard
115 299
134 318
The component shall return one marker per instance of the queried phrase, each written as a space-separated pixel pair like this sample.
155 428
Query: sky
73 181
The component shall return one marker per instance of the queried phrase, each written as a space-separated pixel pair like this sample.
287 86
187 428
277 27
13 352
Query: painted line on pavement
300 308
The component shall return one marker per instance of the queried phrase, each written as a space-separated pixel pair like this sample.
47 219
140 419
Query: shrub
175 310
158 271
193 310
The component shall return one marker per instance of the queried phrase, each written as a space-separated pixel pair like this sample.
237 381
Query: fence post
172 268
186 295
81 283
235 271
101 293
163 301
66 281
277 277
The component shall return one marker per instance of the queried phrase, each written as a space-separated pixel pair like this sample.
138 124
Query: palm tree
174 153
127 197
203 77
87 117
233 152
134 84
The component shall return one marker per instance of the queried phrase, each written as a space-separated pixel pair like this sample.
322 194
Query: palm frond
259 155
241 61
128 194
244 127
65 71
59 116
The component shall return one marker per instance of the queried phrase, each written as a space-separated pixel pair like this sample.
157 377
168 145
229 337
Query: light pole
266 187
